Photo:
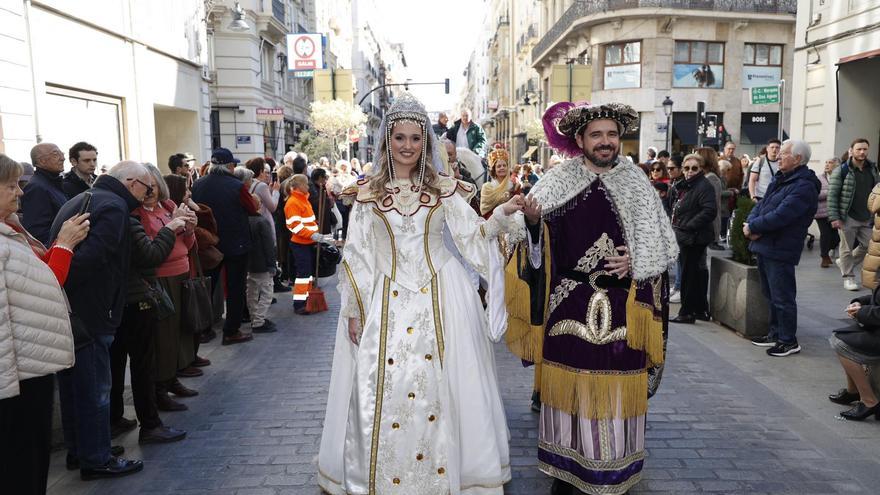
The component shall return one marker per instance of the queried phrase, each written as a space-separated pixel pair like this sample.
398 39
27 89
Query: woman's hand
853 309
187 200
73 231
354 331
618 265
532 210
276 186
512 205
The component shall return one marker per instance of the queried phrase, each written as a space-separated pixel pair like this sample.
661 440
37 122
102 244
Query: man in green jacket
466 133
848 190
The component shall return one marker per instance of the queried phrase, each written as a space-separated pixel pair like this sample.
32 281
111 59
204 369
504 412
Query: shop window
762 65
68 111
623 65
698 64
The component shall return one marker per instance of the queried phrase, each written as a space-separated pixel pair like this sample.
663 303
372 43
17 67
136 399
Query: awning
529 152
759 128
859 56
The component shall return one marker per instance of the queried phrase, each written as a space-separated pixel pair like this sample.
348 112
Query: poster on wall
755 76
623 76
698 76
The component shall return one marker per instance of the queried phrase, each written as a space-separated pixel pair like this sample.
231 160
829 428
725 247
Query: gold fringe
525 341
643 331
594 395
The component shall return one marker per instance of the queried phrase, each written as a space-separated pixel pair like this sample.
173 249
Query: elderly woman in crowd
35 337
713 175
503 185
157 212
829 238
340 181
858 350
692 220
263 188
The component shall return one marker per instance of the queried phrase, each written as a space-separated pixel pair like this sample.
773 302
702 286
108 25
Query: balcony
278 10
583 8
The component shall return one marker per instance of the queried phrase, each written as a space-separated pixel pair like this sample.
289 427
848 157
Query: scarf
493 194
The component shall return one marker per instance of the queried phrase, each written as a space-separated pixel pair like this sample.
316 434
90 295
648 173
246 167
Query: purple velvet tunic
596 455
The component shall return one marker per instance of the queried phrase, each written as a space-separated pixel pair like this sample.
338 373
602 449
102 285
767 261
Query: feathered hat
563 121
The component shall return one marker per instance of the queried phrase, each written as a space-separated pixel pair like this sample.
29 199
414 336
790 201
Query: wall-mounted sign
303 74
766 95
270 114
755 76
697 76
242 140
305 51
623 76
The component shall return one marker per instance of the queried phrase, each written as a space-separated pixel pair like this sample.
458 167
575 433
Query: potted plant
735 294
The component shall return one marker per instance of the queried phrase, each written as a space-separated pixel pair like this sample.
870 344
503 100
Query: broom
316 302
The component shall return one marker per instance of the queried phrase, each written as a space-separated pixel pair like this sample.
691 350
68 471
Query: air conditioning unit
208 74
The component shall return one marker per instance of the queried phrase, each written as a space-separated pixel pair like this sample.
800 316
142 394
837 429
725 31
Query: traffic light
446 85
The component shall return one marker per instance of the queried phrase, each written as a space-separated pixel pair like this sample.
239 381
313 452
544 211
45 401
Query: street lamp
238 23
667 109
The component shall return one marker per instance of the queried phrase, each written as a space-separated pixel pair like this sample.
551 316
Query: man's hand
853 309
532 210
836 224
746 231
618 265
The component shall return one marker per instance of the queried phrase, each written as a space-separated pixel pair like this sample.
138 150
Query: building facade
86 71
837 62
642 51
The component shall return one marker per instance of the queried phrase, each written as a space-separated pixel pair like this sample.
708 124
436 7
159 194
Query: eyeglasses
694 168
147 186
656 170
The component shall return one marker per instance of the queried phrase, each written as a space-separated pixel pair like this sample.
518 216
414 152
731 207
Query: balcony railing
278 10
582 8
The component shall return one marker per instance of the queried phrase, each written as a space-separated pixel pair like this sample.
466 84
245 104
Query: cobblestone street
728 419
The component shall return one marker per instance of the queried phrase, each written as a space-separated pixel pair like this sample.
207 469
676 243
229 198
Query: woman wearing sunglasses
692 220
658 173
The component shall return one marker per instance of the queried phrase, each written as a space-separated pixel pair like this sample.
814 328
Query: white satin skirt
416 409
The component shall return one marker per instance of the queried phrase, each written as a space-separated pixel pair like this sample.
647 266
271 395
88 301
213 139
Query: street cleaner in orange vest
304 237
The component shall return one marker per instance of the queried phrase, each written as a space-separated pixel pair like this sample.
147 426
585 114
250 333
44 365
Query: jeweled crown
406 106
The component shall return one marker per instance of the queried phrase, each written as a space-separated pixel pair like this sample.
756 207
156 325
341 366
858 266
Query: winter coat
475 136
73 185
96 284
840 191
822 209
261 258
147 254
35 334
231 203
784 214
694 213
176 263
872 259
206 238
42 199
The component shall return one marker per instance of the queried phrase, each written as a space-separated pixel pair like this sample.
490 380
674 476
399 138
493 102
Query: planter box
736 299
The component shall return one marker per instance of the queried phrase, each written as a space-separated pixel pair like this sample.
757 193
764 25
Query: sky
438 38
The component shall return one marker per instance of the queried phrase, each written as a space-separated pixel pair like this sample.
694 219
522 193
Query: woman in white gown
414 406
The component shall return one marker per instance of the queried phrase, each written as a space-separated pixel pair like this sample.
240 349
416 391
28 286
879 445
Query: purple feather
560 142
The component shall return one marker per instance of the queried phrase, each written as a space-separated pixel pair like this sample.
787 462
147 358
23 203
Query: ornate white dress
415 408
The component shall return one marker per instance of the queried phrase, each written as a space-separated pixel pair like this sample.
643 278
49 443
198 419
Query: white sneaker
849 283
675 297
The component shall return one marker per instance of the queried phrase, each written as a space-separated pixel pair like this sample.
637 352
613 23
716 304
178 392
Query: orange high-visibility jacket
300 218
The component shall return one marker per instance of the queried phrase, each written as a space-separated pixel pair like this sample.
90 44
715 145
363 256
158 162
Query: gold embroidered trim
380 386
592 464
593 372
427 232
644 329
594 395
438 320
601 249
584 332
589 487
393 247
357 293
604 438
562 291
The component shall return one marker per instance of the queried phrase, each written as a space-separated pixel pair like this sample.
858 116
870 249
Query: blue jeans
85 403
780 288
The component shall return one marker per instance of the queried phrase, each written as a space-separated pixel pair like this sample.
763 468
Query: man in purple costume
600 227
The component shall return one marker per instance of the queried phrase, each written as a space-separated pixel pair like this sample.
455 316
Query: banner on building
270 114
334 84
697 76
755 76
305 51
571 83
623 76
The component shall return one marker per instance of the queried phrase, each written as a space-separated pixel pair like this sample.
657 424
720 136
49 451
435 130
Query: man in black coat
96 290
44 193
83 161
692 220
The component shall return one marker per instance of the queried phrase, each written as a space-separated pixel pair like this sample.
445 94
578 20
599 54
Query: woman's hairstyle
697 158
383 176
10 169
162 188
494 164
710 160
256 165
284 172
176 187
295 180
244 174
662 168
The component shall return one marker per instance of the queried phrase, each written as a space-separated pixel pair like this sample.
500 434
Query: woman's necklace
406 200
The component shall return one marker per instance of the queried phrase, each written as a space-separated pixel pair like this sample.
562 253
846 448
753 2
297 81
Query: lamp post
667 109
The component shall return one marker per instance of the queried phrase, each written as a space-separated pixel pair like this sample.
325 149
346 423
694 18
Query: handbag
162 303
198 312
328 257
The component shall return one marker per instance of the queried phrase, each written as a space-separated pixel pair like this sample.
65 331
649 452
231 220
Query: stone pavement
727 419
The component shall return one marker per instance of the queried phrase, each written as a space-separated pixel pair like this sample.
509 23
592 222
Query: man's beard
602 163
